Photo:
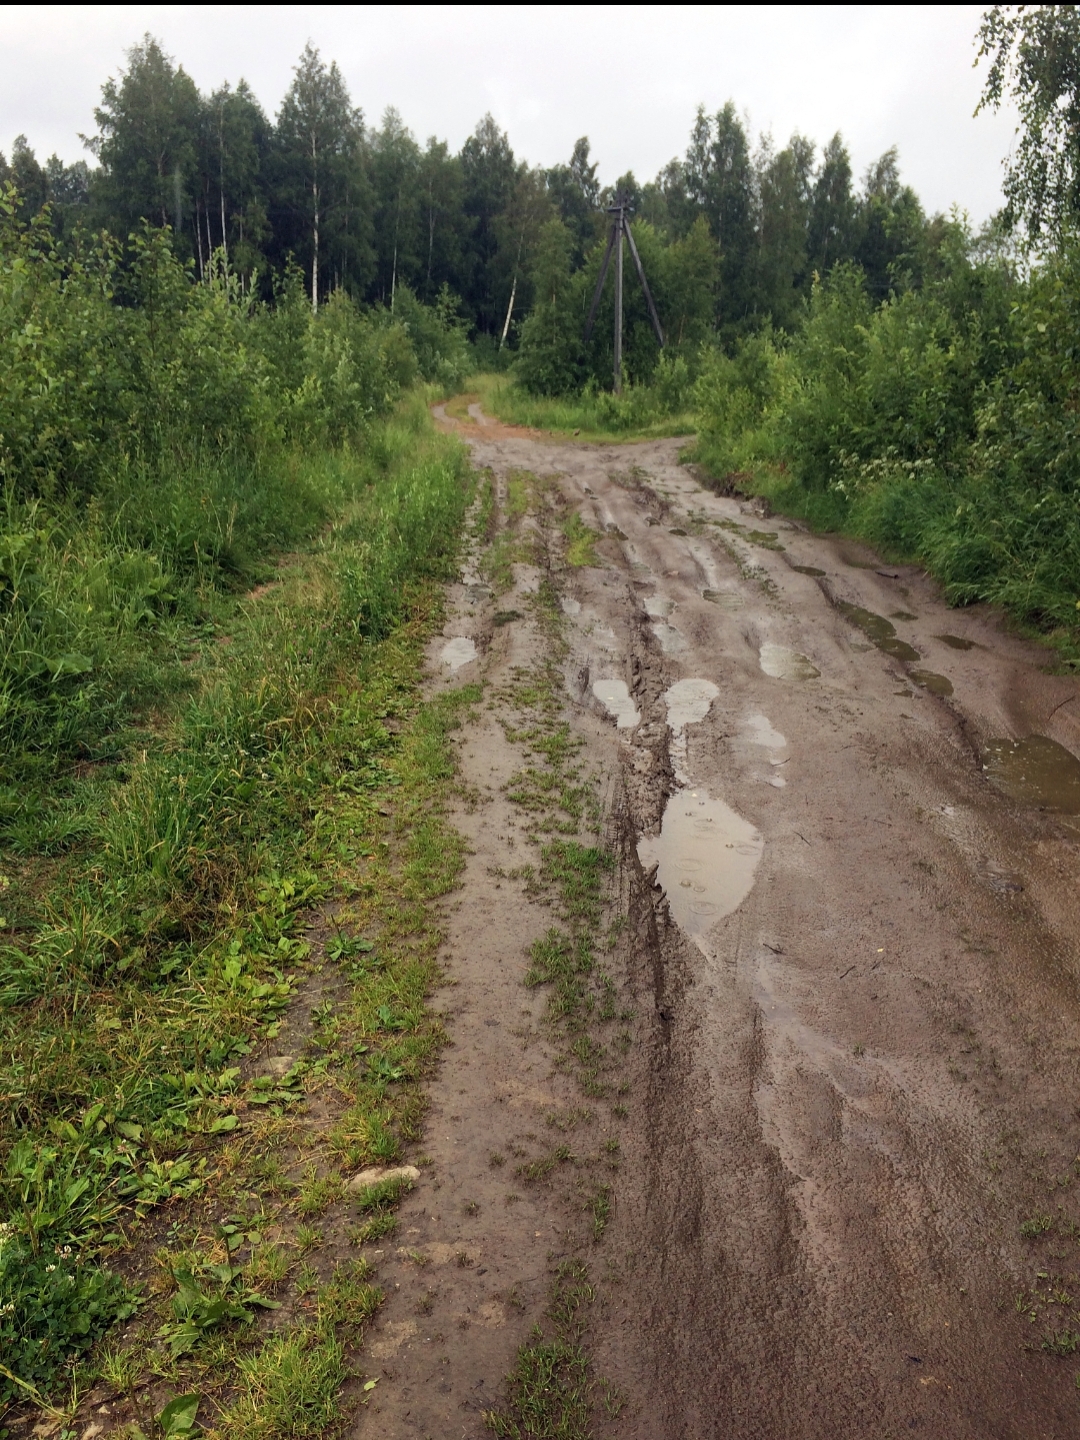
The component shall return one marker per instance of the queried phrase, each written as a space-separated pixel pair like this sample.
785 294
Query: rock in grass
377 1174
278 1065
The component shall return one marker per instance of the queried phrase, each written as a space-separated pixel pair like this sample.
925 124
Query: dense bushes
940 424
151 435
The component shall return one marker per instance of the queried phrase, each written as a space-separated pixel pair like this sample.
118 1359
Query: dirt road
835 1117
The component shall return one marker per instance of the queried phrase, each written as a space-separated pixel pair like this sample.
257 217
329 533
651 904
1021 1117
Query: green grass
549 1391
146 958
598 418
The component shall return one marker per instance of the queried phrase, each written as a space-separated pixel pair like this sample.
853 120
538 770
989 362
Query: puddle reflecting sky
458 651
707 856
688 702
617 700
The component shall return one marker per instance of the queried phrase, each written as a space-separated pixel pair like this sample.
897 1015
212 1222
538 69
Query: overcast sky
629 79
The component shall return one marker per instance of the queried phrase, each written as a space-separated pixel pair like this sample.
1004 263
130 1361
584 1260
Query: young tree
720 179
889 228
550 358
235 144
147 143
517 232
29 179
322 188
784 200
444 225
689 284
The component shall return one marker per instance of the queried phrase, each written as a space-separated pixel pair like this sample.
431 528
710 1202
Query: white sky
630 79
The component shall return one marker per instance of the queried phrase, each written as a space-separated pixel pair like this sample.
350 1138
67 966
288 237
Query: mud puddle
707 856
808 570
458 652
782 663
724 599
1035 771
956 642
688 702
670 640
936 684
615 697
880 631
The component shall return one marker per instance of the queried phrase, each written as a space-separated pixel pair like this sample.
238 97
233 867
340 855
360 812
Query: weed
580 541
599 1208
120 1368
541 1168
318 1192
381 1195
308 1238
290 1386
1036 1226
374 1228
549 1388
270 1263
1061 1342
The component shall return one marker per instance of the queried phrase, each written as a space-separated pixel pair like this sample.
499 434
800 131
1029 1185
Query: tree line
368 209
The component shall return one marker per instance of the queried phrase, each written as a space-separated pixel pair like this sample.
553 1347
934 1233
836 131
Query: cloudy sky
883 75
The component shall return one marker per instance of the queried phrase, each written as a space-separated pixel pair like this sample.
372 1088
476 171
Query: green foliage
939 424
288 1387
147 452
1034 60
437 337
53 1305
552 351
196 1312
157 949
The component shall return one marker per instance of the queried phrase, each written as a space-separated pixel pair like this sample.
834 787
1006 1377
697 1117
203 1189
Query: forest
761 259
219 339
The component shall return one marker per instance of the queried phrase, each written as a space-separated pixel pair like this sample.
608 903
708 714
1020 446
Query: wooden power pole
620 228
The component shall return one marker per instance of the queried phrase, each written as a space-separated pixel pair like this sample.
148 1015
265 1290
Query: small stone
374 1173
278 1064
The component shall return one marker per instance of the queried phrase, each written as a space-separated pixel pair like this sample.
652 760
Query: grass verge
255 872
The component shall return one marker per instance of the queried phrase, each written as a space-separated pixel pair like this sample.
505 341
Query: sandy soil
847 1182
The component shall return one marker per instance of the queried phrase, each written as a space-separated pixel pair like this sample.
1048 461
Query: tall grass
138 966
640 412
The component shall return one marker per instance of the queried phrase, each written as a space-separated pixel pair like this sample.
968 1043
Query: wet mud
1035 771
848 1192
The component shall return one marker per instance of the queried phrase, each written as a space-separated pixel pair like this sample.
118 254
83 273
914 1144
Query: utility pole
620 229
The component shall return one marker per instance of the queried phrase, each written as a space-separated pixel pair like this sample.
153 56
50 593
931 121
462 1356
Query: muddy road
834 1128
